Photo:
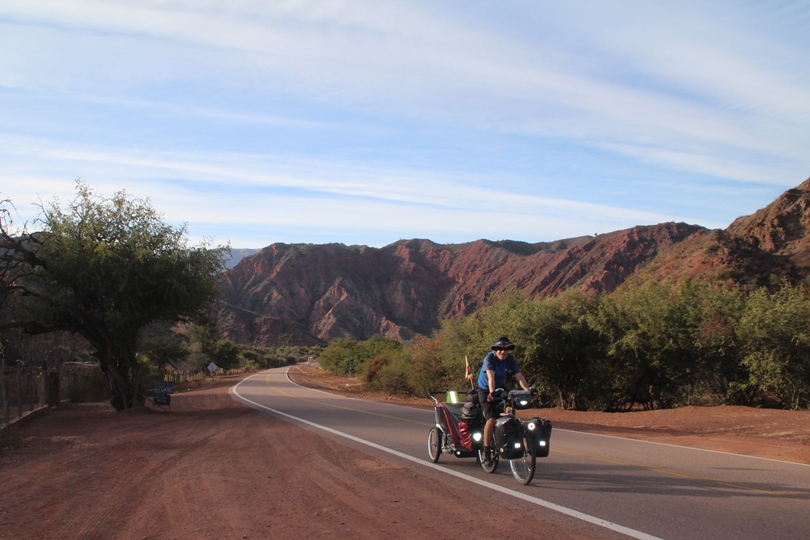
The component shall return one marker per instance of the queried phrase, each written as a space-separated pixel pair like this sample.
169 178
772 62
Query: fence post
44 389
19 389
30 388
4 388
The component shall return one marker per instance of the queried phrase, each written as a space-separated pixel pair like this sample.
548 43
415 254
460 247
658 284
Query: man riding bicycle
497 365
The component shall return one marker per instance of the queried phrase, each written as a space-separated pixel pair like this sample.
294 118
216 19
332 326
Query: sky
367 122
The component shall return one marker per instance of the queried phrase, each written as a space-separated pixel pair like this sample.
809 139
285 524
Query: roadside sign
162 393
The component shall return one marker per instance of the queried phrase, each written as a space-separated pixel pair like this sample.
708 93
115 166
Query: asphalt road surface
634 488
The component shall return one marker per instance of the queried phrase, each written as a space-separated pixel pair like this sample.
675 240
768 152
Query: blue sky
366 122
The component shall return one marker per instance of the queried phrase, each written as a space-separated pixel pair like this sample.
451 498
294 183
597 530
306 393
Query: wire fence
25 387
185 376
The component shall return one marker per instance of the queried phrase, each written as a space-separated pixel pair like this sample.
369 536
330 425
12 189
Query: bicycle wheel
523 468
492 466
434 444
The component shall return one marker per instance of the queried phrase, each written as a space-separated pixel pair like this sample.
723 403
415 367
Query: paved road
642 490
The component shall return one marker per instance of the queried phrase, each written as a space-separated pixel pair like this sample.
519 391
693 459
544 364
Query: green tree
564 353
775 330
429 373
444 356
105 269
164 350
719 373
651 347
204 336
349 357
392 371
340 356
226 354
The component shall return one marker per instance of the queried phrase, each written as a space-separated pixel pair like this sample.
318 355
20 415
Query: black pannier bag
521 399
472 396
471 413
508 438
542 435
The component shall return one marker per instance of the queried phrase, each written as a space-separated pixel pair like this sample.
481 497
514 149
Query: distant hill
237 254
309 294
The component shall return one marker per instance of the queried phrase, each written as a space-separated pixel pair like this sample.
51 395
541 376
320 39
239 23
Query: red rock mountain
308 294
765 248
313 293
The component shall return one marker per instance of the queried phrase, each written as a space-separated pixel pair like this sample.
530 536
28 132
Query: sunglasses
496 349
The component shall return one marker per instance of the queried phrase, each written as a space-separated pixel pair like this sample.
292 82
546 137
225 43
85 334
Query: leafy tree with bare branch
104 269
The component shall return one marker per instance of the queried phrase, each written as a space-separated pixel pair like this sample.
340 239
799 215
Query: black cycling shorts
487 407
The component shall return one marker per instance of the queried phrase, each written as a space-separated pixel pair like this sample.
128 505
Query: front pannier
508 438
541 435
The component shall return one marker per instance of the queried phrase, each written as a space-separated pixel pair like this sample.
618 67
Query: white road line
557 429
527 498
780 461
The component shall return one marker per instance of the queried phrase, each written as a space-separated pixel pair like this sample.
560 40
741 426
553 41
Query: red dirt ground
214 468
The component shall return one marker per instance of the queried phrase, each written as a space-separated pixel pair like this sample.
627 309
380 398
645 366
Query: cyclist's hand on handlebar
533 391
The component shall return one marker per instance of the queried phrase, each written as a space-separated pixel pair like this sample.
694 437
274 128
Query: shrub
9 441
89 387
394 374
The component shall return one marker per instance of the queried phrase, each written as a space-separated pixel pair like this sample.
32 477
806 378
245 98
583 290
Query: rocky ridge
309 294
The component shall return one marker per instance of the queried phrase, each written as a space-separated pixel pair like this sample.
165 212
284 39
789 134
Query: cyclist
498 364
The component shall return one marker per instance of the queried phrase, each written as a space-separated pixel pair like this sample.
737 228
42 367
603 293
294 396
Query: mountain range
306 294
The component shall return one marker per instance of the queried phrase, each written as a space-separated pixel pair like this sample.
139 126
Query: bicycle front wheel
523 468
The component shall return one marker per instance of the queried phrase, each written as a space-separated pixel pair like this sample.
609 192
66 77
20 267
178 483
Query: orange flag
469 374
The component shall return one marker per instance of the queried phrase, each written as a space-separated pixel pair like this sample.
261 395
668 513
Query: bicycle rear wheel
492 465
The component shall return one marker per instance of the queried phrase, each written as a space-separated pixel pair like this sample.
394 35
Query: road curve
635 488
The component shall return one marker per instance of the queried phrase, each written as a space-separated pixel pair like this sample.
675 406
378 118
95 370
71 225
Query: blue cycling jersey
502 368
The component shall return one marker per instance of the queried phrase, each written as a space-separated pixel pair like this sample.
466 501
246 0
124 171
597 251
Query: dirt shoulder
215 468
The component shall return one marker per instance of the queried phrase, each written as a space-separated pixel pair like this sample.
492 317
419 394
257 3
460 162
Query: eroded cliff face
307 294
781 228
763 249
313 293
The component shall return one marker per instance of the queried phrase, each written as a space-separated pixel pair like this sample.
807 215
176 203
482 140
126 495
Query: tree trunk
124 392
119 389
53 389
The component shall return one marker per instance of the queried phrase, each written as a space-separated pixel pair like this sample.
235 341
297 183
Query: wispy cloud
394 119
267 191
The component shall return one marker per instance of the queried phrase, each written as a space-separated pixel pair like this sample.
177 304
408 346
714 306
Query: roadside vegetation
180 354
107 286
653 346
106 295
